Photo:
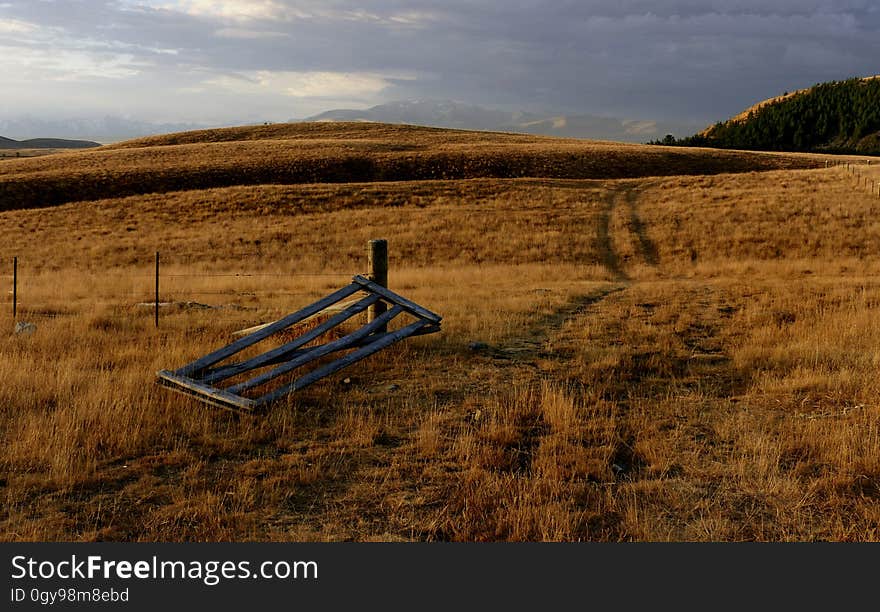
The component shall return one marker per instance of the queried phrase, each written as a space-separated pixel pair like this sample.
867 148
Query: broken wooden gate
200 378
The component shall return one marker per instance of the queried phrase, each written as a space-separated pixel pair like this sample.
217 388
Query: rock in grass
478 346
23 328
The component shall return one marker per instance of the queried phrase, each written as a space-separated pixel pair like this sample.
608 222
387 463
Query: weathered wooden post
377 255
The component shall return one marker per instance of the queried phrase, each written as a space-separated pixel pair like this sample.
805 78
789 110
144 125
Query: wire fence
866 181
38 293
160 289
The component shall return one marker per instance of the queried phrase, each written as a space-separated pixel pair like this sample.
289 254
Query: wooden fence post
377 255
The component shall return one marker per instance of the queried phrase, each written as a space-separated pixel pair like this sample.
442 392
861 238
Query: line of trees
834 117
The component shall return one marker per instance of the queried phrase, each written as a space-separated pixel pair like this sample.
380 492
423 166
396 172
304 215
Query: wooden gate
200 378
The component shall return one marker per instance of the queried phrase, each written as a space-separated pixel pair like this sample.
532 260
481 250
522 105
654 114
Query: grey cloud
679 59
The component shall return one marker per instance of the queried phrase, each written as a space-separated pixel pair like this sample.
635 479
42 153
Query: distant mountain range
434 113
449 114
103 130
46 143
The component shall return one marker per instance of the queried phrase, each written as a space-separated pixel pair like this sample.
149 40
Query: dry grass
10 154
668 358
343 153
474 221
823 215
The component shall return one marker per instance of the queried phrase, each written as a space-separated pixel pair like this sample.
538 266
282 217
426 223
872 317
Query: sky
218 61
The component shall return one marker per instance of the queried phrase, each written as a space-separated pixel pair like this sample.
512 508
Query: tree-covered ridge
834 117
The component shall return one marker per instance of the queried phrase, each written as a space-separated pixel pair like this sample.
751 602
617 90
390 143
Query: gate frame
199 379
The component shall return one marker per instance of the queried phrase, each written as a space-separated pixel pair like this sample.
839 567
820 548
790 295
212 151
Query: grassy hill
630 355
344 152
46 143
835 117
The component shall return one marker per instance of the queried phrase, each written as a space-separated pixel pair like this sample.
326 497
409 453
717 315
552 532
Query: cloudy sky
214 61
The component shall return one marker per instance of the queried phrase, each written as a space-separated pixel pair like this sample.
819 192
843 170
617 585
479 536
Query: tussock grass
666 358
818 215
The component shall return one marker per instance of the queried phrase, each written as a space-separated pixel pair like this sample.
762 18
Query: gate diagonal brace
200 379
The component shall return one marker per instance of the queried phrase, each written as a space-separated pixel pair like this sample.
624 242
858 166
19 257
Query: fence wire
37 298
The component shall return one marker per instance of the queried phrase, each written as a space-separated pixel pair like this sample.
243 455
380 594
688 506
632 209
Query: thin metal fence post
157 289
14 288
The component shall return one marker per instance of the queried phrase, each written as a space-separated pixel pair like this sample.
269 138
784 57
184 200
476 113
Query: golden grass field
681 344
11 154
343 153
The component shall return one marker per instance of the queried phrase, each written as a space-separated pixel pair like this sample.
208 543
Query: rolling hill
834 117
346 152
46 143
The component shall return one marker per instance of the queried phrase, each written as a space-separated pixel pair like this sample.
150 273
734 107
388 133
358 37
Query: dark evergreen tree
835 117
